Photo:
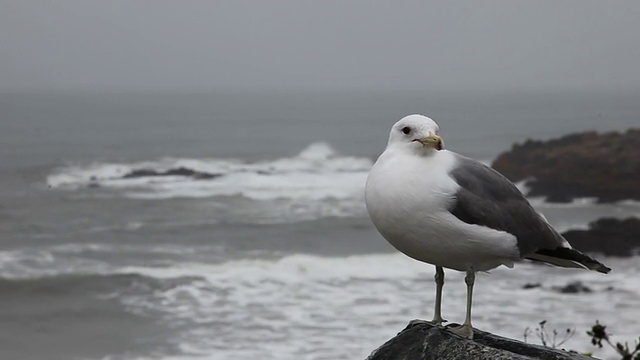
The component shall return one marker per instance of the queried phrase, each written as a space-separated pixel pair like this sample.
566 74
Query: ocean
265 249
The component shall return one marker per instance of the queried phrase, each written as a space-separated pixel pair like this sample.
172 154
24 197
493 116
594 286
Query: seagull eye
406 130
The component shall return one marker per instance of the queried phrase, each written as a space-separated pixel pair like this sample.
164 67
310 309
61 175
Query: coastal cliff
608 236
605 166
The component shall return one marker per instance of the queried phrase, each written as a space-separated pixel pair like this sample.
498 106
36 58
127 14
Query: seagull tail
570 258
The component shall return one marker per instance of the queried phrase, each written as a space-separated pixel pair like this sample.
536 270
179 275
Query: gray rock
609 236
180 171
426 342
531 286
605 166
574 288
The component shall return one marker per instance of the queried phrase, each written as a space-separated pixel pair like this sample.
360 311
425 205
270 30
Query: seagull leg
437 316
466 330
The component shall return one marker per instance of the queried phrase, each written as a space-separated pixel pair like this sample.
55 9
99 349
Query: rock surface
605 166
425 342
575 287
608 236
180 171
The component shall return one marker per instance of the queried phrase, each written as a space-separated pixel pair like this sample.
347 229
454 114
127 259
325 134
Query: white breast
408 198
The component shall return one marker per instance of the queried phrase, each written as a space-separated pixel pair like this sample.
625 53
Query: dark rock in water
531 286
141 173
609 236
180 171
423 341
574 288
605 166
571 288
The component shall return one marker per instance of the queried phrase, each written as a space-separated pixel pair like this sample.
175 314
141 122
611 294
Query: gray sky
209 45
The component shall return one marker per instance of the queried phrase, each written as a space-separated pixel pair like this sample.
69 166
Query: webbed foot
465 331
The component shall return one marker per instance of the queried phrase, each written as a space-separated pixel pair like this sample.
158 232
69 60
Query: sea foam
314 307
311 307
317 172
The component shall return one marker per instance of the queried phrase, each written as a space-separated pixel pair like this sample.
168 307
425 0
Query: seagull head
415 133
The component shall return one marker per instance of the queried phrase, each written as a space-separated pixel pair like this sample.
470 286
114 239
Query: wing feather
489 199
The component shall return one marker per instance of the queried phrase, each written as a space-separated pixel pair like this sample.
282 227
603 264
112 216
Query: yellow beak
433 141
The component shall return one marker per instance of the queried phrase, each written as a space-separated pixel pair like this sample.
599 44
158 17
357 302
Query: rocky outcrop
605 166
575 287
179 171
425 342
613 237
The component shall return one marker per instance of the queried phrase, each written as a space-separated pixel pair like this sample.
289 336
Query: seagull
448 210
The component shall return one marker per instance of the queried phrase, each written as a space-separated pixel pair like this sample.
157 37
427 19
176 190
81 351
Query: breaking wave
249 308
316 183
316 173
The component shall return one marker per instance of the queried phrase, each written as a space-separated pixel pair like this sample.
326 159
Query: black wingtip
599 267
577 257
603 269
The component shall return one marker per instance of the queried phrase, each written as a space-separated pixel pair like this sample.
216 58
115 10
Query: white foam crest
78 258
630 203
574 203
270 309
316 173
580 202
522 186
292 269
34 263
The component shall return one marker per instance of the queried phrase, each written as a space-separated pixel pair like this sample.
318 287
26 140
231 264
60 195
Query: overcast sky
213 45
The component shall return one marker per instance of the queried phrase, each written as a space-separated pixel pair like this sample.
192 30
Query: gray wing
489 199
